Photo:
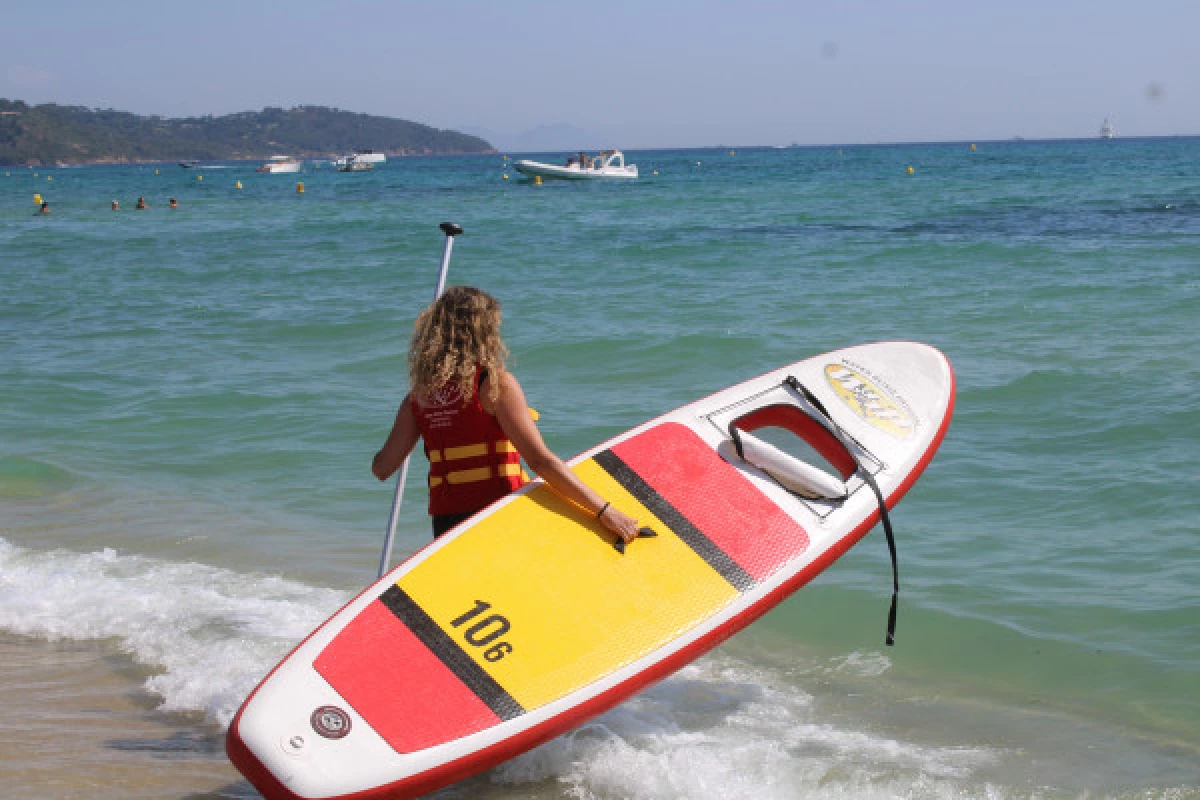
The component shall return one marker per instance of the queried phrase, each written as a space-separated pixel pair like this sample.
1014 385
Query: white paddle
451 230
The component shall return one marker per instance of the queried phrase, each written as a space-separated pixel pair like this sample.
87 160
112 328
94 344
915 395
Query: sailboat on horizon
1107 131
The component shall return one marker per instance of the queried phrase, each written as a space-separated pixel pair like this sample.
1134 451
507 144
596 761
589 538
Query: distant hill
50 133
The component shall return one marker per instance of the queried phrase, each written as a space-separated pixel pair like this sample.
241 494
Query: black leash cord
869 479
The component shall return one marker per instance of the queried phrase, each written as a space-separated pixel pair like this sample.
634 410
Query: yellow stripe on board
547 605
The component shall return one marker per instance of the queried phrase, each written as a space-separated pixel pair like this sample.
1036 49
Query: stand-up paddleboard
527 620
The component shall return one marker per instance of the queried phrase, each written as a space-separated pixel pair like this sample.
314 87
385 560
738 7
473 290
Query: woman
471 413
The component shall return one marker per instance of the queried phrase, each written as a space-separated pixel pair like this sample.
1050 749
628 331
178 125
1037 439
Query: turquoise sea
190 400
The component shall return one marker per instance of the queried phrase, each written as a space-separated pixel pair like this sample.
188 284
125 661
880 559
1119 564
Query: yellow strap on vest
465 451
461 476
468 475
469 451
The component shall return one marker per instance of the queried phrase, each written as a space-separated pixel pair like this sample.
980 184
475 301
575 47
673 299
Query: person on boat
141 204
583 160
173 204
470 413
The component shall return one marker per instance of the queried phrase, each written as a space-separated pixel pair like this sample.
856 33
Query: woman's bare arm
513 415
399 444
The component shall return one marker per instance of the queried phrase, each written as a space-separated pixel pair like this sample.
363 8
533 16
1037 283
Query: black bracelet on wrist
603 508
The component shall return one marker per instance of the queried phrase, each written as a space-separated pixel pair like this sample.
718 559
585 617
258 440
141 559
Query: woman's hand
619 523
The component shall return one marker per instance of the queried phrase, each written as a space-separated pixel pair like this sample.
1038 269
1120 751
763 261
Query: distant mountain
51 133
543 138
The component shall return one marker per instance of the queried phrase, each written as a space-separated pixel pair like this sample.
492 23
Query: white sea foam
718 728
862 664
209 633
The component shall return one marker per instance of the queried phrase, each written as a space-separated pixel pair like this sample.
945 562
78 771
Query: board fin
643 533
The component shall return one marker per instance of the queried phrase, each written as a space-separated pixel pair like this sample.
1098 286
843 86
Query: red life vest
471 462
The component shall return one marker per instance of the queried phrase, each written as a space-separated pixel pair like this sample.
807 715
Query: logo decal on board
331 722
874 404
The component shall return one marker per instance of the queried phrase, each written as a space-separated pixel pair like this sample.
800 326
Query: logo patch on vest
443 396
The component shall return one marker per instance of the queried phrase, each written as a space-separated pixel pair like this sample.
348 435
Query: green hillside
50 133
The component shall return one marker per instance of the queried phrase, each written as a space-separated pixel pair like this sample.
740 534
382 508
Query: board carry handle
796 420
795 475
833 428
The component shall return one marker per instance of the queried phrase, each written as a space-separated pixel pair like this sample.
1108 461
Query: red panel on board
397 685
715 497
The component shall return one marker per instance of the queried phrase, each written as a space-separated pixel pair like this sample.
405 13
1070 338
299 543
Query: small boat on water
281 164
362 157
355 164
1107 131
609 164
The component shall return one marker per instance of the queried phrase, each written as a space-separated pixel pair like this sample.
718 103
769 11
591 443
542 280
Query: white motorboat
362 157
609 164
281 164
1107 131
355 164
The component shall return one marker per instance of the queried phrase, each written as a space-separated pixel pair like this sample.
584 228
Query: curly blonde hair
454 337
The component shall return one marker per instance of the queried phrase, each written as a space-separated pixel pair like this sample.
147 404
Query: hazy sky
654 73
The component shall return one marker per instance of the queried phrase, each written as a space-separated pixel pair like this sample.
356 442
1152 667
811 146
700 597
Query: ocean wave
22 477
209 634
720 728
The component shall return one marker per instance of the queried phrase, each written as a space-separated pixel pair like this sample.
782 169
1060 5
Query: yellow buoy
506 176
199 177
237 185
537 180
37 199
49 177
972 148
730 152
300 187
155 172
909 170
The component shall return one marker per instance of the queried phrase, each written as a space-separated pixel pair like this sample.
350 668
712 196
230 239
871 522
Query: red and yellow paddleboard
526 621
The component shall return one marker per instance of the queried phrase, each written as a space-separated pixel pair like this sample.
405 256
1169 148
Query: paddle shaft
451 230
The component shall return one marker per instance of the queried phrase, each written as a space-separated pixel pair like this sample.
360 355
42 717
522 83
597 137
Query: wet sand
77 723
